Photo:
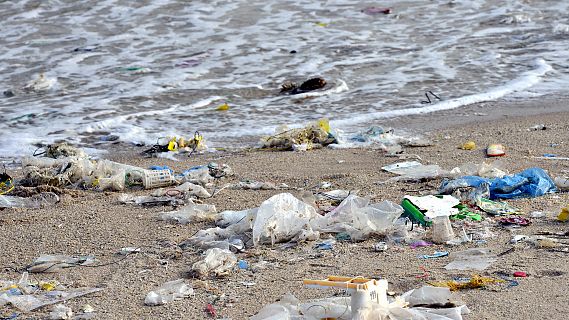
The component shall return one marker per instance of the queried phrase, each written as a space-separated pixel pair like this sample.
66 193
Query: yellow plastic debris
324 124
475 281
470 145
223 107
321 24
173 144
564 214
48 285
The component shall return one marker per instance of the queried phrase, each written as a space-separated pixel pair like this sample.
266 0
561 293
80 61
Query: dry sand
95 223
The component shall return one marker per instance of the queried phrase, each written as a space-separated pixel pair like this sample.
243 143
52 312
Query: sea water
141 70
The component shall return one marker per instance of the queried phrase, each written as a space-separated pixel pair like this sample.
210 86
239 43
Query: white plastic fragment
61 311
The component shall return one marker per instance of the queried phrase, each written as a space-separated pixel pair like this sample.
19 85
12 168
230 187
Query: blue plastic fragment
243 264
436 254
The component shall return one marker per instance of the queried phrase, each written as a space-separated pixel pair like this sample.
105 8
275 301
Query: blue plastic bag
530 183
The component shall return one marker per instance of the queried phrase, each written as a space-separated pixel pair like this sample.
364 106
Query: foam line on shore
525 81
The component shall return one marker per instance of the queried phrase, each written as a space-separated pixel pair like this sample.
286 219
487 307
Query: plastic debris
218 262
210 310
520 274
533 182
442 230
6 183
178 200
40 84
44 199
31 297
419 173
470 145
358 218
497 207
61 311
54 263
471 259
420 243
325 245
282 218
380 247
192 213
368 301
168 292
562 183
314 135
564 214
436 254
520 221
243 264
472 283
496 169
424 209
495 150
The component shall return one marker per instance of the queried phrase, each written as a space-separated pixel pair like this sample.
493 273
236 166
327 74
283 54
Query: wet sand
94 223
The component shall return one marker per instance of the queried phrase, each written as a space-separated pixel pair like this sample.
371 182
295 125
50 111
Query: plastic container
442 230
157 178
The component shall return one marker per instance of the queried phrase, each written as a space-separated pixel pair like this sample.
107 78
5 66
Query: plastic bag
358 218
427 295
281 218
227 218
168 292
217 261
191 213
533 182
420 173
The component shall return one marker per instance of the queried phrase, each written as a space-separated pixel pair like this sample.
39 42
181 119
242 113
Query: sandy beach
95 223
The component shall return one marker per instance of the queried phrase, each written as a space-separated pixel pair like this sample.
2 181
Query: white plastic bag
281 218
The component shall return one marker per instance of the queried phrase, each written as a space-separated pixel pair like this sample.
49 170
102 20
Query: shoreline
96 223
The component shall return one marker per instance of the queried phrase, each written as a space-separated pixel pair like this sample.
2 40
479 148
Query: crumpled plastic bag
532 182
282 218
357 217
218 262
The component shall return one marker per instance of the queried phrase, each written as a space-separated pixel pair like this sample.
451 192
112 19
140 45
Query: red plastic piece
520 274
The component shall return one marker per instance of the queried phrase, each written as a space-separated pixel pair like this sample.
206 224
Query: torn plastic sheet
471 259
